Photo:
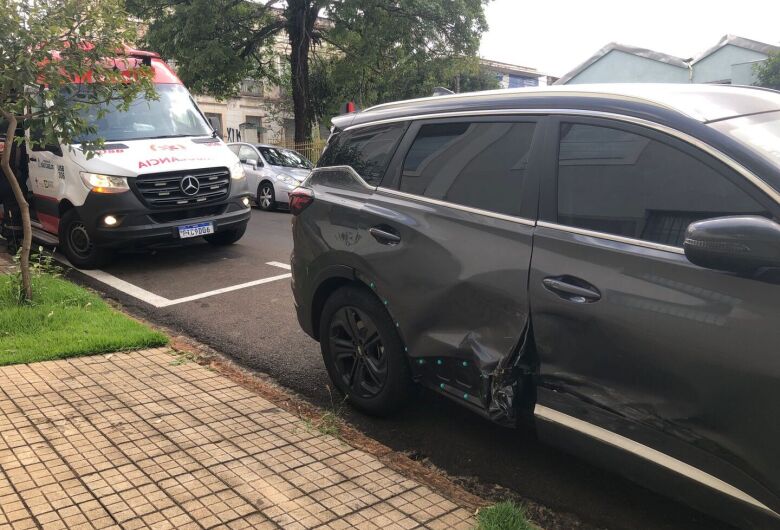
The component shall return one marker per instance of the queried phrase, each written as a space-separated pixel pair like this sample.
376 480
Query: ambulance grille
167 190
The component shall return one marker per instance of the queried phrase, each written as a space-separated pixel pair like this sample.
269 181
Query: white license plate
200 229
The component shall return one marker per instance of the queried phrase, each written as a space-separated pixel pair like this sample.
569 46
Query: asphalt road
257 326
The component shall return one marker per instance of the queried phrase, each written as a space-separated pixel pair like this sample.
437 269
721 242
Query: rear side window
618 182
476 164
367 150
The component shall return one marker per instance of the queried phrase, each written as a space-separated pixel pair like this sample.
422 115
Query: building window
216 121
519 81
251 87
252 129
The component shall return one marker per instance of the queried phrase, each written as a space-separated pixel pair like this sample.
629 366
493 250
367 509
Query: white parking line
127 288
160 301
279 264
227 289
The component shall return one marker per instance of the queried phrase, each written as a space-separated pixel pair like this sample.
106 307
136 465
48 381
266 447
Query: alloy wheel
358 352
266 197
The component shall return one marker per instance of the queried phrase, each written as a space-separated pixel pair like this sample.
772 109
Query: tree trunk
301 17
24 207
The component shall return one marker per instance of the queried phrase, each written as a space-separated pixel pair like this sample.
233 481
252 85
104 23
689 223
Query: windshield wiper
161 136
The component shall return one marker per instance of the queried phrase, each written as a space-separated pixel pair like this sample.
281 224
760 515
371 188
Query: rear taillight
300 199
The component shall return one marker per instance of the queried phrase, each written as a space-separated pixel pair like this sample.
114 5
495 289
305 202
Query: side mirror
250 162
741 244
54 149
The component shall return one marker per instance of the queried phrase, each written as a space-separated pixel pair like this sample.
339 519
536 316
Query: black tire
77 244
376 377
226 237
265 196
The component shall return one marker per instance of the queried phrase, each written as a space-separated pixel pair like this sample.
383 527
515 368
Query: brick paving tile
132 441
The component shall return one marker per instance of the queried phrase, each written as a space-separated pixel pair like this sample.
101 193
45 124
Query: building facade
731 61
515 76
260 113
256 115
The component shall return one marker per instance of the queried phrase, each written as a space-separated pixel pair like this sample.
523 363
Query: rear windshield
761 132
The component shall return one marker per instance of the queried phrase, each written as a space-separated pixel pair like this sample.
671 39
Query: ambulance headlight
104 183
237 171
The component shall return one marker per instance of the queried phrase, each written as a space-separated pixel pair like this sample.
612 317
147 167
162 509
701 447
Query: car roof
256 145
703 103
269 145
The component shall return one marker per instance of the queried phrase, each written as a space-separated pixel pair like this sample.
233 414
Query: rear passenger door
639 348
459 204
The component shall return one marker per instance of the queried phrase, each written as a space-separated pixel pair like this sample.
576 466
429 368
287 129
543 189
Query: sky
554 36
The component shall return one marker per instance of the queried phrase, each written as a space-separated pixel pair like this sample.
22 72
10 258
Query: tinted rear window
476 164
367 150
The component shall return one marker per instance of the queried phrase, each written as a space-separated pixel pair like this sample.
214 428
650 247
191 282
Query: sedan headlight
104 183
287 179
237 171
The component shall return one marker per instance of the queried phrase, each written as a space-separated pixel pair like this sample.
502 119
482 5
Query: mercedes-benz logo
190 185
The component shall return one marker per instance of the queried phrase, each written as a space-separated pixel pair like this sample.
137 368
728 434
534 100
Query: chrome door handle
572 289
383 236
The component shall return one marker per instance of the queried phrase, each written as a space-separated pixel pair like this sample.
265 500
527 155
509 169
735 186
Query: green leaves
768 72
58 56
403 49
367 50
215 43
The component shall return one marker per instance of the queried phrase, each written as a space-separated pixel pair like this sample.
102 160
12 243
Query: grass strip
506 515
64 320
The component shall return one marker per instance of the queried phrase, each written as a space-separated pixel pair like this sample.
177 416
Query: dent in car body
461 307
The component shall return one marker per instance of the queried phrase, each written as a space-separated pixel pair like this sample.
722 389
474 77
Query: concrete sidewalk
139 440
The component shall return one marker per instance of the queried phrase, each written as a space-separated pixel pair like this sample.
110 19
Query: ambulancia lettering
167 160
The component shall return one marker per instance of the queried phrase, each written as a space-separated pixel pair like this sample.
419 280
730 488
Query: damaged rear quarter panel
457 287
456 284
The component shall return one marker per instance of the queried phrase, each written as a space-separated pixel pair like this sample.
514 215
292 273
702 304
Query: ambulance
163 176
